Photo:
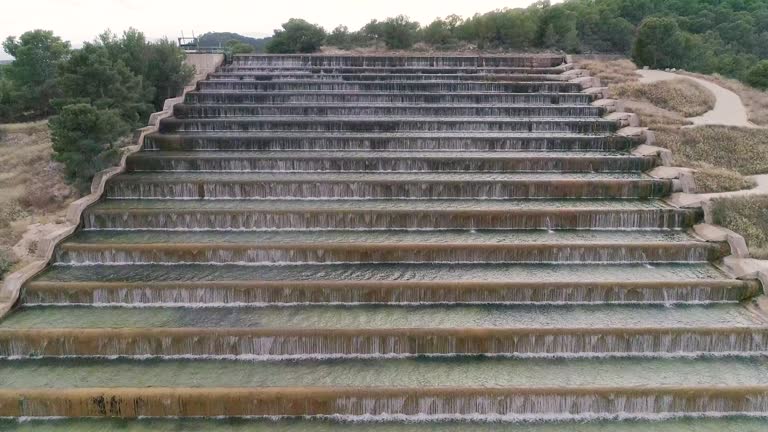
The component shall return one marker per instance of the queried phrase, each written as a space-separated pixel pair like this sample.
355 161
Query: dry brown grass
681 96
32 189
747 216
756 101
714 179
722 155
738 149
610 72
654 117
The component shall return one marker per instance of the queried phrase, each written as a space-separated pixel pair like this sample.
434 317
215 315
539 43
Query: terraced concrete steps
608 424
399 61
314 161
368 76
421 110
434 141
384 404
436 96
375 332
405 373
531 318
400 238
385 246
387 214
431 86
398 70
195 284
389 124
378 185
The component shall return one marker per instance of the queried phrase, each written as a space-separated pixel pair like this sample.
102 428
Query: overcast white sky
79 20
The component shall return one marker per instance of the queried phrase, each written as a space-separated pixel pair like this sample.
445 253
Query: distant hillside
216 39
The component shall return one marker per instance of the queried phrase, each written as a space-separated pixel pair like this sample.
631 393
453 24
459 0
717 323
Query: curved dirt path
728 111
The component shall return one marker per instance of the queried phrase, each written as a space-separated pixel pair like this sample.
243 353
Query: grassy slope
747 216
721 155
681 96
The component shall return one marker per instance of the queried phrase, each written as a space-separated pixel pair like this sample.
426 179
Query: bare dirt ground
32 190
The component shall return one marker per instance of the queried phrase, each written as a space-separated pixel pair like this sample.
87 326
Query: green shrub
6 263
166 71
236 47
84 140
92 76
758 75
339 37
32 74
396 32
659 43
297 36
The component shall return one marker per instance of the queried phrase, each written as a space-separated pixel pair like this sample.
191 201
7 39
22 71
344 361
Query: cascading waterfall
317 97
278 188
446 403
374 76
311 163
74 254
308 343
411 293
309 218
400 142
391 86
214 111
320 213
361 124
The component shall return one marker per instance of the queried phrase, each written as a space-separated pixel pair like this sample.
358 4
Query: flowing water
386 243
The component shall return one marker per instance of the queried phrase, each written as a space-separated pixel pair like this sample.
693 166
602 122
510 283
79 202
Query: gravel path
728 111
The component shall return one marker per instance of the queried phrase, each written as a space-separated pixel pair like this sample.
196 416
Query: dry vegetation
756 101
740 150
681 96
747 216
654 117
714 179
32 189
610 72
722 156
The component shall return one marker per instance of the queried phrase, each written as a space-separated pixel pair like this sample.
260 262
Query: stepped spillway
401 238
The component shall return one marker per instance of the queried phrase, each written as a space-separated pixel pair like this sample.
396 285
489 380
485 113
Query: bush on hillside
84 140
442 32
6 263
166 71
160 65
297 36
396 32
659 43
91 76
29 82
236 47
514 29
758 75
